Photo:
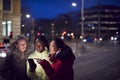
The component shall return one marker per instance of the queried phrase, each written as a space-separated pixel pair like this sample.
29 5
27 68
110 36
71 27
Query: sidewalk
79 50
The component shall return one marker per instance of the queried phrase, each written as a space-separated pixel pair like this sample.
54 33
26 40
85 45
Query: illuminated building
9 18
109 22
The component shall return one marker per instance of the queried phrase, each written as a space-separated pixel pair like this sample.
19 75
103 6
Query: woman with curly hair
14 67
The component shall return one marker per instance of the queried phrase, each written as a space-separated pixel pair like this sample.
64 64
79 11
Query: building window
6 4
6 28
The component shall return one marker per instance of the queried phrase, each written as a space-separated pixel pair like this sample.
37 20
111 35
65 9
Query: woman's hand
32 65
47 67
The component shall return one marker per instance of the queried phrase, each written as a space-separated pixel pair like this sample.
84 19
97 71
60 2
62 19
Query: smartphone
31 61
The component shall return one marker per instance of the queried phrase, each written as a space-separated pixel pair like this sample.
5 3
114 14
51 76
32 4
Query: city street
99 64
91 28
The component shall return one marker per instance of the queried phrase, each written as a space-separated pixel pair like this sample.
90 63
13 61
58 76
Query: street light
74 4
82 22
99 31
30 27
27 16
83 47
28 21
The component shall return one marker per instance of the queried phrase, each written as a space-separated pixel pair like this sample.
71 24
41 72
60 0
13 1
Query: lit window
9 28
6 28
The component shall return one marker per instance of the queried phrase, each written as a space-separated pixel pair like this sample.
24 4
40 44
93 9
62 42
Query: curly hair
15 42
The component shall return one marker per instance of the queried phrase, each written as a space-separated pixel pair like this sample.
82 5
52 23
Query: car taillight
3 54
4 50
1 44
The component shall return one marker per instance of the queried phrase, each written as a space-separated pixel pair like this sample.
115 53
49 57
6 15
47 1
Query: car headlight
112 38
115 38
84 40
3 54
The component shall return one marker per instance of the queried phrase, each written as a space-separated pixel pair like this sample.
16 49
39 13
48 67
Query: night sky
51 8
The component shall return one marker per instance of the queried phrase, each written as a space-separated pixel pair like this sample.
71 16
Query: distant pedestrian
34 70
62 59
14 67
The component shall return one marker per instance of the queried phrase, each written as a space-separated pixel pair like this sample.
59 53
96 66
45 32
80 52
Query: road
97 63
100 64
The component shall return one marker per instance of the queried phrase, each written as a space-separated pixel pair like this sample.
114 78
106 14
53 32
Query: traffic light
10 35
64 33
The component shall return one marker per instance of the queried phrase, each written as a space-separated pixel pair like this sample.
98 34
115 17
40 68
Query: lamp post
31 28
83 47
99 31
28 26
75 24
82 22
74 18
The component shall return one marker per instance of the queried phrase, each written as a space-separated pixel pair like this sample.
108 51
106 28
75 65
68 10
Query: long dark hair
65 52
59 43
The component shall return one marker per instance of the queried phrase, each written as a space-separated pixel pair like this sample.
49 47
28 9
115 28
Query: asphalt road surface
100 64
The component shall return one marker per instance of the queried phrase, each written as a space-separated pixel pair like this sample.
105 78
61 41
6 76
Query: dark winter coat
62 65
14 67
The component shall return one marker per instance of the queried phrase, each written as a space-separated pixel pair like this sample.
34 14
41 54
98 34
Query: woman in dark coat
14 67
62 59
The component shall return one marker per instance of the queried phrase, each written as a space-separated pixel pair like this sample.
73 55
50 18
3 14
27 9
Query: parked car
4 48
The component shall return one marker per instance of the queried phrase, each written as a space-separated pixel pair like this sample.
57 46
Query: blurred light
38 33
28 34
72 34
115 38
63 33
62 37
8 22
116 32
81 37
1 44
4 22
66 22
84 40
3 54
27 16
74 4
95 39
52 24
111 38
68 34
11 35
43 34
23 25
93 27
100 39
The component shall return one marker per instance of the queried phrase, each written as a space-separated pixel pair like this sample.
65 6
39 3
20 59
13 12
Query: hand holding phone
38 60
32 65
